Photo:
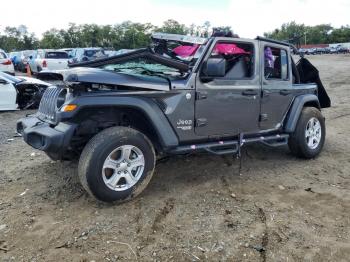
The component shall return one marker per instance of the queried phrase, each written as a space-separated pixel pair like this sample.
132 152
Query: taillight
44 63
7 62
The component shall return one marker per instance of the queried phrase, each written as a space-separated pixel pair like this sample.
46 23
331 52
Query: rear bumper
40 135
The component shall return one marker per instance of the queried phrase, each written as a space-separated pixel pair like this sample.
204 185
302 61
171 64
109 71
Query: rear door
229 105
277 88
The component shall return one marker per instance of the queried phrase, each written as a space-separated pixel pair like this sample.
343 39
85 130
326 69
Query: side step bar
231 146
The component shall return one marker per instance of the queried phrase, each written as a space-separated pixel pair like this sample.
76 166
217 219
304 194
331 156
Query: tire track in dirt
162 214
148 235
265 238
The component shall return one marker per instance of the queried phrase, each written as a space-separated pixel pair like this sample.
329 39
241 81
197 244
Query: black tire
95 153
297 141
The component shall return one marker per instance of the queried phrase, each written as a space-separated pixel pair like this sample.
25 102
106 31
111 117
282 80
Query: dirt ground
196 208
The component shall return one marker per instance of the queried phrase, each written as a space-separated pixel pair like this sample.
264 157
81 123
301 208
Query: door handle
250 92
201 95
285 92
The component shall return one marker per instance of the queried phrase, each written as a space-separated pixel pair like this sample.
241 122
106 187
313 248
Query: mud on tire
117 164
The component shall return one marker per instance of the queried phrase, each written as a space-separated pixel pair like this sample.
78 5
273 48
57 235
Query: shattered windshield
144 67
169 56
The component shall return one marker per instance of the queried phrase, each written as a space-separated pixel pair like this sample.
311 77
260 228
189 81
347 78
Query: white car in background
48 60
79 55
20 92
6 63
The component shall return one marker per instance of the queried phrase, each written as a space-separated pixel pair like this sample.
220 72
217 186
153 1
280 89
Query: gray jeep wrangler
180 95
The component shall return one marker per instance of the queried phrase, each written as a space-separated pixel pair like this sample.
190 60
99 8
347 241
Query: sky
248 18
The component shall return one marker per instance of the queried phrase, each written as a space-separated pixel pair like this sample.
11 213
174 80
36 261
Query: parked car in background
333 50
6 64
20 92
302 51
48 60
119 52
109 52
320 50
342 50
327 50
23 58
15 58
311 51
68 51
86 54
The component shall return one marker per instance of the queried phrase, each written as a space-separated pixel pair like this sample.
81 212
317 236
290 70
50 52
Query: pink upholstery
185 50
228 49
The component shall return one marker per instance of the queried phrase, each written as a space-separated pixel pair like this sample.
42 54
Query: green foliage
125 35
18 38
173 27
319 34
340 35
52 39
287 31
130 35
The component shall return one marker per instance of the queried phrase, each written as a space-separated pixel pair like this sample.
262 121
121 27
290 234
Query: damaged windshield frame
163 45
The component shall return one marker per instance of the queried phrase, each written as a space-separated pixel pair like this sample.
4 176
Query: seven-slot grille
47 107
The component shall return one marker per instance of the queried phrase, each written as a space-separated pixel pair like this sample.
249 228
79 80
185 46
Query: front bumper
54 140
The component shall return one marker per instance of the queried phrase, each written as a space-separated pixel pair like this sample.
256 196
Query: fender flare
147 106
295 110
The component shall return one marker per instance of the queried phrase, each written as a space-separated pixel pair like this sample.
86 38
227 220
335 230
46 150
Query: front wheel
117 164
308 138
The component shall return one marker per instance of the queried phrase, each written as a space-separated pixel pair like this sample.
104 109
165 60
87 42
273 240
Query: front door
230 104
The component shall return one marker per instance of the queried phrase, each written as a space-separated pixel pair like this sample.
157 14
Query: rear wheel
117 164
308 138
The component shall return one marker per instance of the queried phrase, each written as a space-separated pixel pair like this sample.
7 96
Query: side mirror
3 81
30 57
215 67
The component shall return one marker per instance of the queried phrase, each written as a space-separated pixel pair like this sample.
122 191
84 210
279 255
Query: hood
107 77
19 80
30 80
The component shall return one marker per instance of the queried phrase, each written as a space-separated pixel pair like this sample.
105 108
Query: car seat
238 70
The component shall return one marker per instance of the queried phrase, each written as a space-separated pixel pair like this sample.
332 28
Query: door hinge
201 122
201 95
263 117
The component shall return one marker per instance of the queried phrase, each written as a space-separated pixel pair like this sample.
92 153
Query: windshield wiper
136 67
153 73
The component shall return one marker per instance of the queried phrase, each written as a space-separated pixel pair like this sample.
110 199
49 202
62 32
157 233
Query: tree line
303 34
132 35
124 35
